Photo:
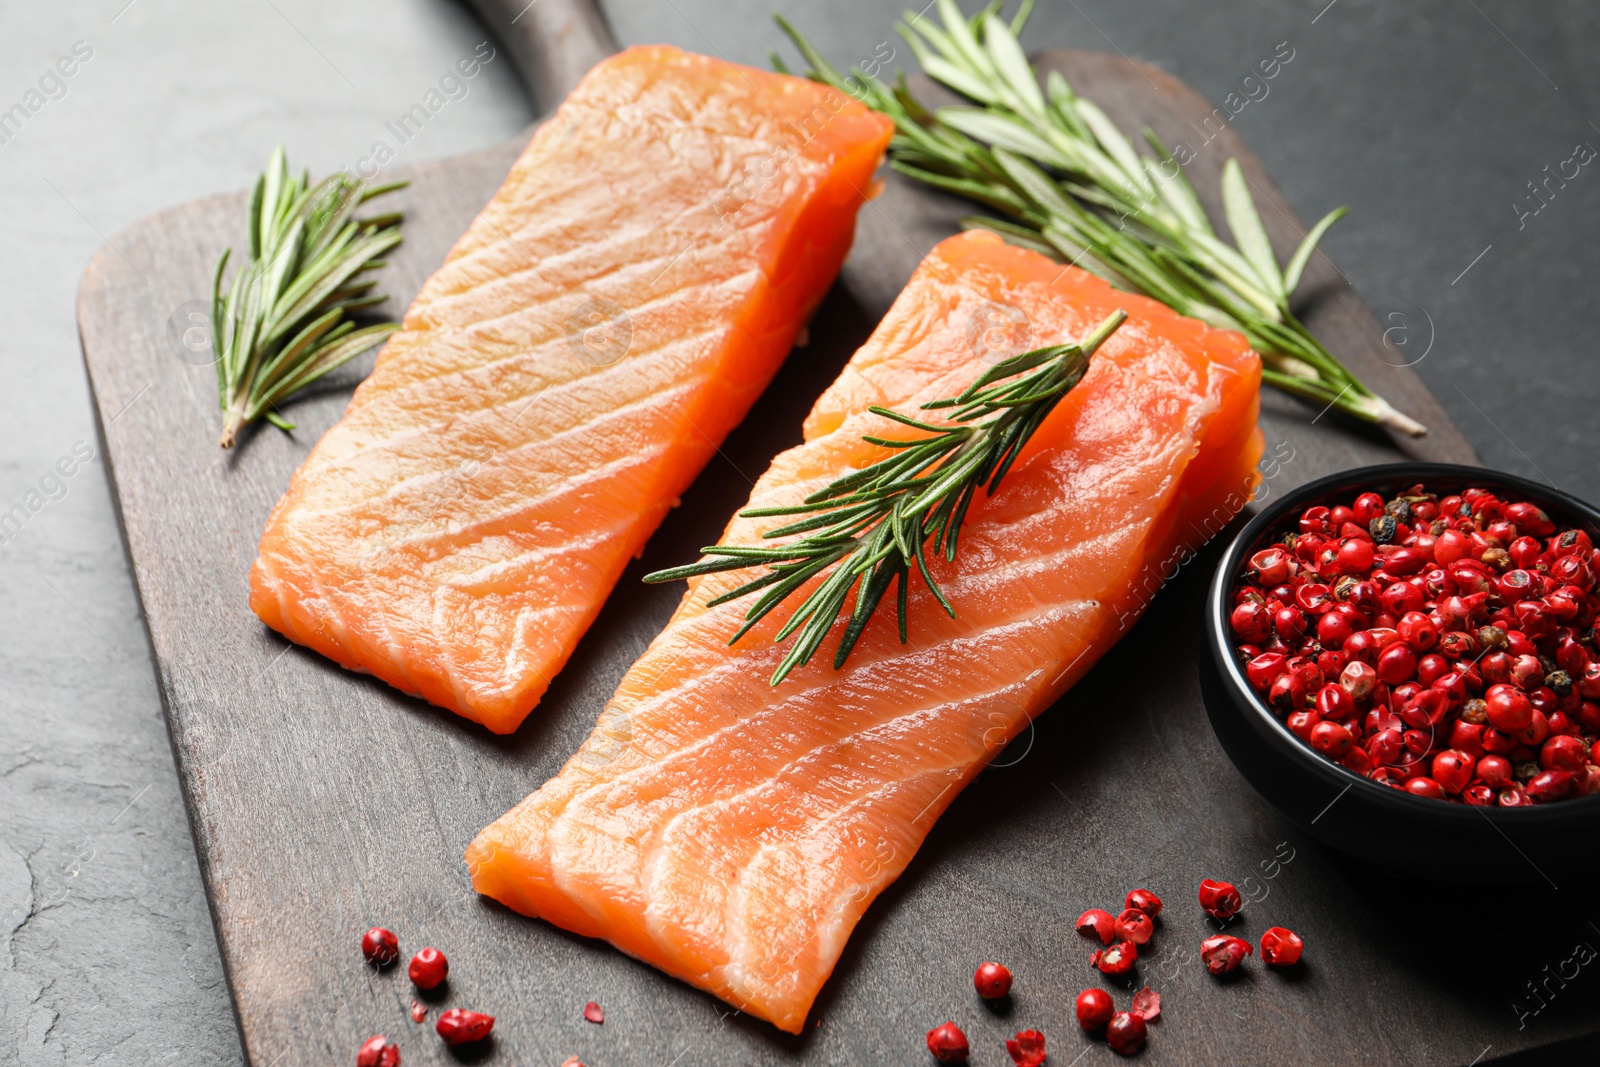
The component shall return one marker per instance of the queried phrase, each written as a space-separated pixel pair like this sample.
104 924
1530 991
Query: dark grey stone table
1429 119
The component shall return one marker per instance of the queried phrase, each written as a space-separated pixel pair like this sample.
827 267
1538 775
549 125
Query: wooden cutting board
323 801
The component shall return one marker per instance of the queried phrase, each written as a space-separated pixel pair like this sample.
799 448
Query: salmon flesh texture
586 346
733 834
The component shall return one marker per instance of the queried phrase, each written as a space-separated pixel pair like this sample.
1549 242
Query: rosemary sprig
1071 185
281 324
873 525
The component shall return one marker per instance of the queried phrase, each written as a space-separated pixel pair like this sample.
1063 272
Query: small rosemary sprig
281 324
873 524
1072 186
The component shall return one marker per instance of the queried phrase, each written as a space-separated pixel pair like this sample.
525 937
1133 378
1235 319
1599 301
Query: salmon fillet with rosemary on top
733 834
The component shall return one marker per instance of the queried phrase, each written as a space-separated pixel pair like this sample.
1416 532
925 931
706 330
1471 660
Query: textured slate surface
1428 120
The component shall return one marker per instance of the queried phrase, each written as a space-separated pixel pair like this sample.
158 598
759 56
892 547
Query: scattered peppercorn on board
324 802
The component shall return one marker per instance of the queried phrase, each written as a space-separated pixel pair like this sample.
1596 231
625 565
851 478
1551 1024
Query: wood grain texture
552 42
323 802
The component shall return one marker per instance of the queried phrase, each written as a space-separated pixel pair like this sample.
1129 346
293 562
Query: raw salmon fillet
733 834
608 318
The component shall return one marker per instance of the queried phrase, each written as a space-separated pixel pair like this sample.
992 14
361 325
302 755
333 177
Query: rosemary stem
1072 185
233 420
282 322
1386 414
872 526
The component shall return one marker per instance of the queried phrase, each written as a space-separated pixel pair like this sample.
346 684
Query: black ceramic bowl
1393 830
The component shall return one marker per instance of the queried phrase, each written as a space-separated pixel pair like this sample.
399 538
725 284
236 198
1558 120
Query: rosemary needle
1072 186
872 525
281 324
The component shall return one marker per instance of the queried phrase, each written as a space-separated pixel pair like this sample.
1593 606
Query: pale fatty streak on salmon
458 530
733 834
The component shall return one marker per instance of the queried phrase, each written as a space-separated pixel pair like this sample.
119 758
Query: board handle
553 43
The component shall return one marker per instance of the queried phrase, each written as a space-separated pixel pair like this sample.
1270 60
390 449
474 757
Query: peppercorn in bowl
1402 659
